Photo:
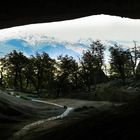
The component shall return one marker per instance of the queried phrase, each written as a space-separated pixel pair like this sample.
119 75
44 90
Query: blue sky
55 48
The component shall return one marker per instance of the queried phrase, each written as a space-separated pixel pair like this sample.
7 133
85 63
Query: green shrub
114 94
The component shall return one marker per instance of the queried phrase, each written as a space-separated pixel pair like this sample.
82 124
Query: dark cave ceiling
21 12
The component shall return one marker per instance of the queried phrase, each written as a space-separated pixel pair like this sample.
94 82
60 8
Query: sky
103 27
73 36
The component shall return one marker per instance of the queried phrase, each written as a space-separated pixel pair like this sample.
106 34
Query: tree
88 63
15 63
98 49
120 61
2 69
48 72
134 56
138 70
67 73
43 71
29 74
37 71
91 64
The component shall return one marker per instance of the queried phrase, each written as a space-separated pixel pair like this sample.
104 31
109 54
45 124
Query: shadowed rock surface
14 13
116 123
16 113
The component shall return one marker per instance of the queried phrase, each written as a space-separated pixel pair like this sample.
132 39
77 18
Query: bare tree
134 55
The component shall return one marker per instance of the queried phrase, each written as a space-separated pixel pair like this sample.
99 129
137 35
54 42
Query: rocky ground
117 123
89 119
16 113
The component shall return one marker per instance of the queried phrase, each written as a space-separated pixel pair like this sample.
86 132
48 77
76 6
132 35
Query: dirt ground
75 103
16 113
82 109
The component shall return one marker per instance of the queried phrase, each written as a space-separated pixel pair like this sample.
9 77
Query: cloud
71 36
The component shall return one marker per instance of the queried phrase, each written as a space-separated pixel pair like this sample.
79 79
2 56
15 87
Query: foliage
98 49
134 57
44 75
120 62
67 73
91 64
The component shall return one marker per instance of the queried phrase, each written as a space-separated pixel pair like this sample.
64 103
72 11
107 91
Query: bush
115 94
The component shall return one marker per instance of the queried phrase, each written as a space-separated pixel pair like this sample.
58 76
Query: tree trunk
58 91
76 81
123 78
15 80
1 79
20 78
88 83
134 73
27 83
